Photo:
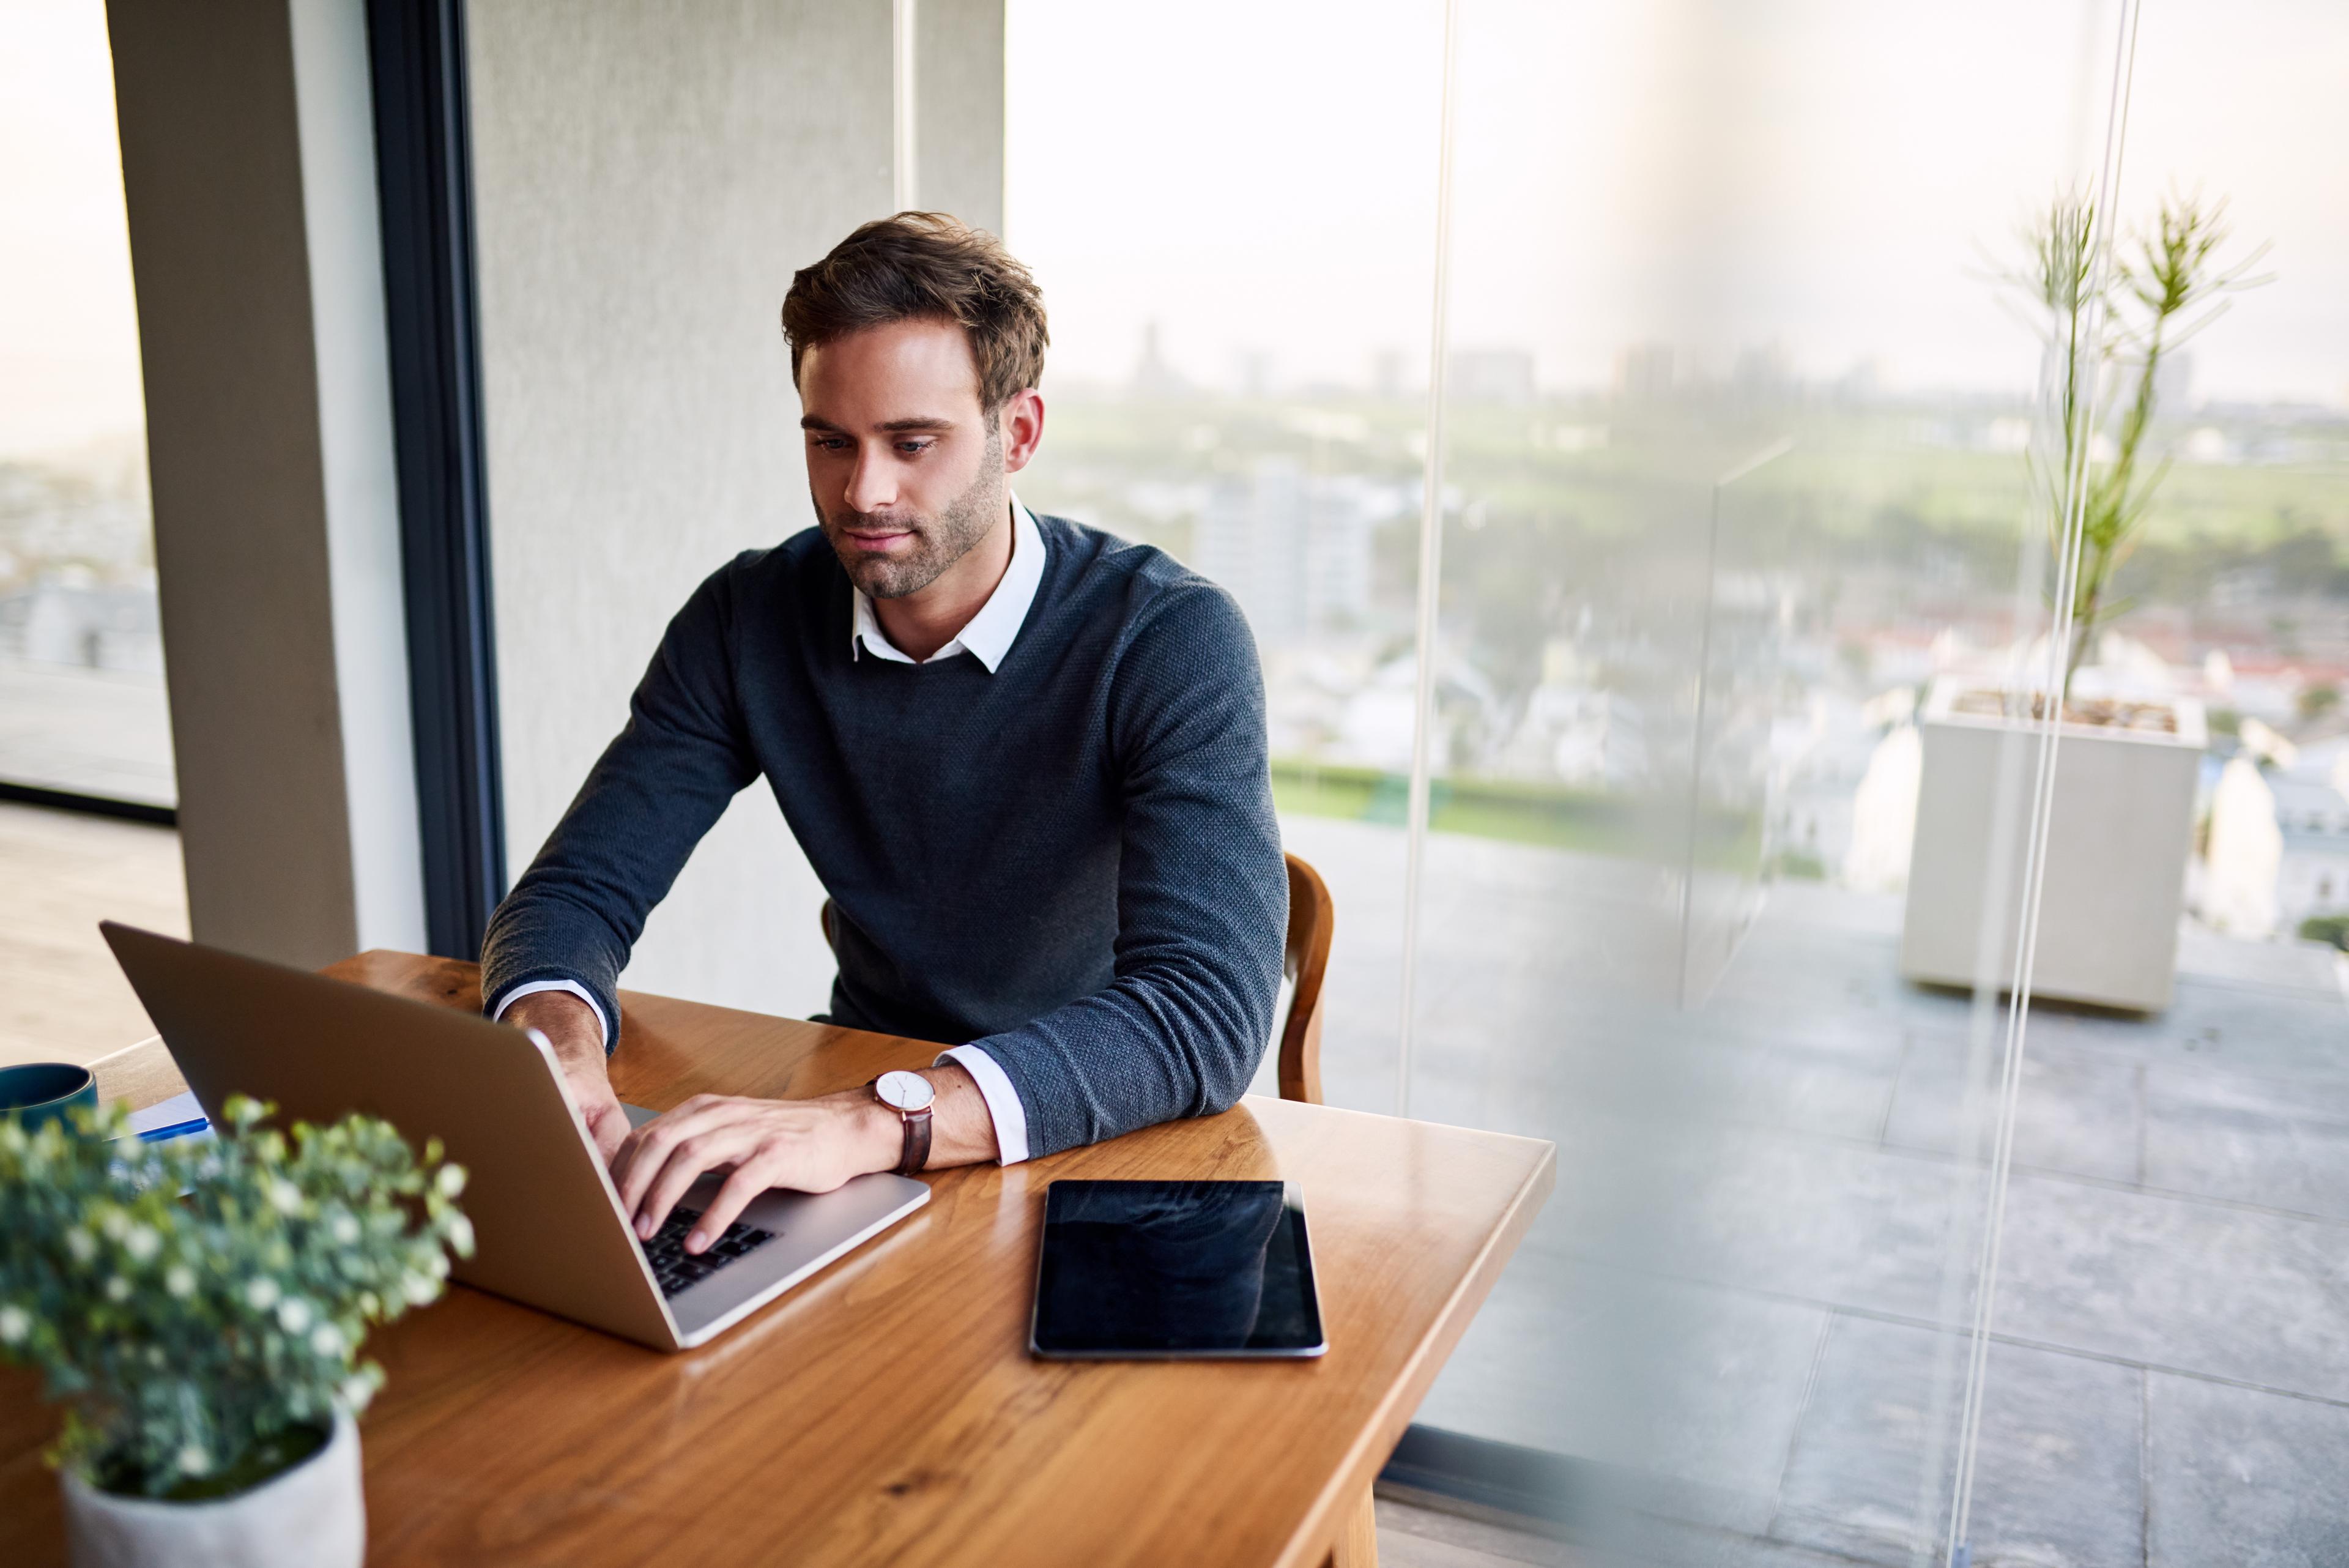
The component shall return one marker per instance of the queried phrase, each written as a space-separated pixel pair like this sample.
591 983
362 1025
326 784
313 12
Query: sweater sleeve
1202 895
656 791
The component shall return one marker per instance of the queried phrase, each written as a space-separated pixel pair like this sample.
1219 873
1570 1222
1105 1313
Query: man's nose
873 486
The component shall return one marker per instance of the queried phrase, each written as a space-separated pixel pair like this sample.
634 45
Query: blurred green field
1852 472
1514 811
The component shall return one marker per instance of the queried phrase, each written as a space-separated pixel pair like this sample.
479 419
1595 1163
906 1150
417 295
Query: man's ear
1021 425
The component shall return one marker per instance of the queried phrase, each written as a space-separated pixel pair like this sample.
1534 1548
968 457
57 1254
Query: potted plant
2121 821
198 1307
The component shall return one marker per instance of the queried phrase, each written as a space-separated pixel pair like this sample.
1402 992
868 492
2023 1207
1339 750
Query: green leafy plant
2334 928
2109 340
204 1342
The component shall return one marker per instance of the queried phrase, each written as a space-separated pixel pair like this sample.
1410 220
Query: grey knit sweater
1072 861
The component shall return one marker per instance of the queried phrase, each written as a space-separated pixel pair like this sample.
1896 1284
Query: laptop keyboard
678 1269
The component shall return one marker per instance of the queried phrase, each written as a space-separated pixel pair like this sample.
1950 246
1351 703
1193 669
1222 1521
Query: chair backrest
1304 958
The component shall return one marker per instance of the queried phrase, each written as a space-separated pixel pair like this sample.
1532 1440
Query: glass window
81 652
1239 266
1738 435
2167 1294
82 716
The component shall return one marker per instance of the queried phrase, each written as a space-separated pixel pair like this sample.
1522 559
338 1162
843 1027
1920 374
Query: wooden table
887 1411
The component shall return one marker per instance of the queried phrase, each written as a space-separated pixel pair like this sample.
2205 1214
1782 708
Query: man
1026 759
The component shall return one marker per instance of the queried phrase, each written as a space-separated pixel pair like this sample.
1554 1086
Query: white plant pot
312 1516
2120 831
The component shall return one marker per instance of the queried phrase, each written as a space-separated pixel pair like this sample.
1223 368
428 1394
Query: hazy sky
1259 177
68 334
1820 174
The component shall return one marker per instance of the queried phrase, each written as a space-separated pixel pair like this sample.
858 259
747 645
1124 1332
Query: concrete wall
648 174
958 129
247 162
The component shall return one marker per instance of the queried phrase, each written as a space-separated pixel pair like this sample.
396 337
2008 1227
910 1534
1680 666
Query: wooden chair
1305 958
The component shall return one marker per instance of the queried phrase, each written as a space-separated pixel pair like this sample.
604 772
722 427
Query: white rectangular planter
2119 834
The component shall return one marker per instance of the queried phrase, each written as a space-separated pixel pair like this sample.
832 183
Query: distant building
1861 385
1579 736
1378 723
2207 443
1643 373
1490 375
1338 559
1763 374
1297 552
2312 878
111 625
1255 367
1152 376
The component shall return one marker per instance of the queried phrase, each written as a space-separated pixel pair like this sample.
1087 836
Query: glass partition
1749 463
1734 458
1238 260
81 652
2168 1303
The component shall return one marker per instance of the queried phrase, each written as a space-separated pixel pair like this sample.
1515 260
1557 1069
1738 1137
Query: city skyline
1286 218
1726 208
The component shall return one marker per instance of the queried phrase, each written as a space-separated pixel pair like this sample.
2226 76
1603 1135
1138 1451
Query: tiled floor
61 996
1770 1202
1414 1537
86 732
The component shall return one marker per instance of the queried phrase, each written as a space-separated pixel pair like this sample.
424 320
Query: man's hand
807 1145
575 1031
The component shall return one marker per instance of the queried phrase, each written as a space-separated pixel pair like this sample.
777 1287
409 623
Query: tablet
1173 1269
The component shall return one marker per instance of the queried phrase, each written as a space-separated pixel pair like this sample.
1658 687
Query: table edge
1366 1456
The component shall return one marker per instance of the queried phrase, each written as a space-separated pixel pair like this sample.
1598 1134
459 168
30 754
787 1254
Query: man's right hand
575 1031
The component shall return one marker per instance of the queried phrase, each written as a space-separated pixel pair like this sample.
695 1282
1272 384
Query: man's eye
833 443
911 448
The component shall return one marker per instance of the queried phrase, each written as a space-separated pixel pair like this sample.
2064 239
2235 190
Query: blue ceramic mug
38 1092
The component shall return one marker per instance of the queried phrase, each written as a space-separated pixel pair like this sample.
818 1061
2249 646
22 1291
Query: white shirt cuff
1003 1106
603 1025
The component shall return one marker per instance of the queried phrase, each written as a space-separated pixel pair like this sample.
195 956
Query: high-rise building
1643 372
1490 375
1152 376
1294 549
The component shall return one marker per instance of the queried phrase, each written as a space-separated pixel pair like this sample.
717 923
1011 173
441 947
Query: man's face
906 470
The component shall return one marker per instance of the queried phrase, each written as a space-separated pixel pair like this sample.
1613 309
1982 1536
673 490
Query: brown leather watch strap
917 1142
916 1152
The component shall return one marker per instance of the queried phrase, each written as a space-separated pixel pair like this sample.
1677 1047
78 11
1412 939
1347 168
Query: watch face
904 1091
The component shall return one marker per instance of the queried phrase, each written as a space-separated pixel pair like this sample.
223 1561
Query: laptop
547 1222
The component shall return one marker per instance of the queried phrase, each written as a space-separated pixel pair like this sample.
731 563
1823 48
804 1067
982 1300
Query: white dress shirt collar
986 635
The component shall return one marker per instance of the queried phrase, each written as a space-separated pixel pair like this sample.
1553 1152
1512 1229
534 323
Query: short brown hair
925 266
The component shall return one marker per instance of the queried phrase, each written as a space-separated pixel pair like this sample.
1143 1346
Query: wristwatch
910 1095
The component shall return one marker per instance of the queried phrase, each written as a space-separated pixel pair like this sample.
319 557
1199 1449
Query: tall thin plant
2168 286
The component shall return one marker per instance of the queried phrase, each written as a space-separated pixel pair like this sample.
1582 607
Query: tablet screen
1175 1269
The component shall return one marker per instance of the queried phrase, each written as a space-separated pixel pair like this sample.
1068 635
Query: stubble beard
938 543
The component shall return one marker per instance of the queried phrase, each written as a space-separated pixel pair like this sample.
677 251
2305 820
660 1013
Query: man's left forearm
961 1131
